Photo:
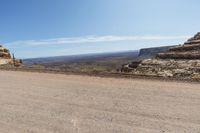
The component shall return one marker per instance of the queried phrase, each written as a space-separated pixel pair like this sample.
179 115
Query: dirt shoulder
98 74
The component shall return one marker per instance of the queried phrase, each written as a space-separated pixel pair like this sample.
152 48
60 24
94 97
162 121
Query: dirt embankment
54 103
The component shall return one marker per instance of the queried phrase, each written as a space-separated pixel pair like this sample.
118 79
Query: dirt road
53 103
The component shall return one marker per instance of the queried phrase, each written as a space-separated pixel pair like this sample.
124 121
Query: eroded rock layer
189 50
181 61
4 53
187 69
5 57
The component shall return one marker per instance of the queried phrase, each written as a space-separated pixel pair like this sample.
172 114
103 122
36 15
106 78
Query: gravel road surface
55 103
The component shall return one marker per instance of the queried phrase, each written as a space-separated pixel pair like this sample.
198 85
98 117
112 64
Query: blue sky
39 28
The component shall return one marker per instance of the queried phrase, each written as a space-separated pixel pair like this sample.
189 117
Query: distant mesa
152 52
6 58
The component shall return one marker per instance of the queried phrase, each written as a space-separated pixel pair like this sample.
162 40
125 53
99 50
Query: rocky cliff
5 57
182 61
189 50
152 52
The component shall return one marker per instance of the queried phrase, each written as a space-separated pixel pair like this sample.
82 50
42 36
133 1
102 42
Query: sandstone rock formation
4 53
5 57
182 61
189 50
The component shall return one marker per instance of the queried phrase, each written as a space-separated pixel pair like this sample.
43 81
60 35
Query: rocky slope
182 61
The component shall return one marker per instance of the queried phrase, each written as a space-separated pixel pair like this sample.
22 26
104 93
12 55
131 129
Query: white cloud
90 39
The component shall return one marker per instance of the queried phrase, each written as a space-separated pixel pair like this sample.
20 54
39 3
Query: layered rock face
189 50
184 69
5 57
4 53
182 61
